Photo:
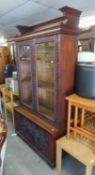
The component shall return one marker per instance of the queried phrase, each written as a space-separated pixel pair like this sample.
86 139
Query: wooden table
80 110
82 153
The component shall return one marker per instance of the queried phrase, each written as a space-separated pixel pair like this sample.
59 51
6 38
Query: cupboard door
25 74
45 77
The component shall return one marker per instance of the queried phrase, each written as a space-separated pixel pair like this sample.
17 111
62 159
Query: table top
83 153
74 98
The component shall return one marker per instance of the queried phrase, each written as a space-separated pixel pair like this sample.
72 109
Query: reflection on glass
25 75
45 62
24 53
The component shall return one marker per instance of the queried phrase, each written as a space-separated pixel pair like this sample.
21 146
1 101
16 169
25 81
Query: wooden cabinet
46 61
4 59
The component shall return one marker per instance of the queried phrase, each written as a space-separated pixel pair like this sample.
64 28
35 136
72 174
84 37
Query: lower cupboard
37 133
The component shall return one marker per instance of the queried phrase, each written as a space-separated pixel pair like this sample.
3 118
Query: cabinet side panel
67 66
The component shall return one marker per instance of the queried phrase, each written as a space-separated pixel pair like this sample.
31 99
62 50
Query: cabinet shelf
26 79
45 84
25 59
49 89
27 102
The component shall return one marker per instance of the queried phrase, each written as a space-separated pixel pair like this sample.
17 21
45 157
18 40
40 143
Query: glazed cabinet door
46 58
24 59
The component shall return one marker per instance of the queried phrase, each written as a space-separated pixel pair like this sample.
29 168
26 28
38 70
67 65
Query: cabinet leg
88 170
58 157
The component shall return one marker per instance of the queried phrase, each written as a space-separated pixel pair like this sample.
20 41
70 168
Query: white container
14 75
8 83
86 57
15 87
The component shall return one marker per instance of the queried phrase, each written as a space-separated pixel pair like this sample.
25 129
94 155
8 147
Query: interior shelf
45 84
26 79
46 111
28 103
25 59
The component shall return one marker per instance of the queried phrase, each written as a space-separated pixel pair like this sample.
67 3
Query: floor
20 159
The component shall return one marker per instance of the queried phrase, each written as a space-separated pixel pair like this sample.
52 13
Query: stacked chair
8 103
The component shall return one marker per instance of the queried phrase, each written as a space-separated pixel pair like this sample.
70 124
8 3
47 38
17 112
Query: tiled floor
20 159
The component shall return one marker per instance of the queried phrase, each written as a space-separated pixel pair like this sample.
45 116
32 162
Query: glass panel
45 62
25 75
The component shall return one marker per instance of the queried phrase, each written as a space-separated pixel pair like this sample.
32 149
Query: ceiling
30 12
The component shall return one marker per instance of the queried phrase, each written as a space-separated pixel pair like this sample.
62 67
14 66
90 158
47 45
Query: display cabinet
46 61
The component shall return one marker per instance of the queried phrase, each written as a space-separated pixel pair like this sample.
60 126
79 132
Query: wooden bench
78 150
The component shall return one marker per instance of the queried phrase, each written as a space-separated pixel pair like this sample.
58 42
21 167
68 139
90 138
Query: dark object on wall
46 62
8 69
85 80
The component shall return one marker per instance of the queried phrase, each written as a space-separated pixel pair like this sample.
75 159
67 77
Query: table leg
69 120
88 170
58 157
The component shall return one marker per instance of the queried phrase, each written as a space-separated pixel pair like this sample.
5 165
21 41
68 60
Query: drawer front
35 135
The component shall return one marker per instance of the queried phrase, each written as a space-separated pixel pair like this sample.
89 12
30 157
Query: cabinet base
40 135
